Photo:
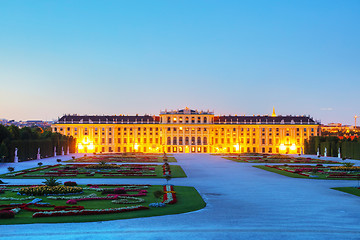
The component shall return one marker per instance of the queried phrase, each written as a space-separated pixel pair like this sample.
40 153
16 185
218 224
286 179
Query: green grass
350 190
176 172
188 199
295 175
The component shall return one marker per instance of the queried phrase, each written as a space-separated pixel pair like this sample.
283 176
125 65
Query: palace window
199 140
205 141
174 140
205 120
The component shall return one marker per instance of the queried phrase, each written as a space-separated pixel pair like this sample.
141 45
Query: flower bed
169 195
88 211
46 190
319 171
276 158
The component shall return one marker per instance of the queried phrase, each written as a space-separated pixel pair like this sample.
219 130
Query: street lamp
355 120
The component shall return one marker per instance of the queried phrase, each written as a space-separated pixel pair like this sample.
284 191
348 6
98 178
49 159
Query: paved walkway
242 203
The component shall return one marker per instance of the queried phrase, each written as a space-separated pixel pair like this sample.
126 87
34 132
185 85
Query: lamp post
355 121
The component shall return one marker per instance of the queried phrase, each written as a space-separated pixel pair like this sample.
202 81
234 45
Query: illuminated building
188 131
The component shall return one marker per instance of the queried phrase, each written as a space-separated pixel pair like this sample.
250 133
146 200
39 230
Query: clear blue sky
128 57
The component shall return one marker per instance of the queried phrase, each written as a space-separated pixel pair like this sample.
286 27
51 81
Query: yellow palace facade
188 131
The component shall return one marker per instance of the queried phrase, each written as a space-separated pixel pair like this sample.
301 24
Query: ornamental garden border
318 171
276 158
123 158
99 171
126 201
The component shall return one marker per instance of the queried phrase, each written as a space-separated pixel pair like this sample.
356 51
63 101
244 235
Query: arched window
192 140
205 141
169 119
193 120
175 141
186 140
169 141
199 140
180 140
205 120
199 120
187 120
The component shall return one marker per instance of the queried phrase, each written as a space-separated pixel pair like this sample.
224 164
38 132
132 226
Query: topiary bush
69 183
6 214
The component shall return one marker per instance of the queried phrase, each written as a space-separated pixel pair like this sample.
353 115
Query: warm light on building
293 147
282 147
188 131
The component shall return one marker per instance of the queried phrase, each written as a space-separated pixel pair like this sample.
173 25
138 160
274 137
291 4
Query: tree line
349 148
28 139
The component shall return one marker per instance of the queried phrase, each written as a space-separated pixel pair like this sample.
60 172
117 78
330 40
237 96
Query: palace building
188 131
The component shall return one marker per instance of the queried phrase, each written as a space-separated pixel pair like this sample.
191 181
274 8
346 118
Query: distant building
29 123
337 129
188 131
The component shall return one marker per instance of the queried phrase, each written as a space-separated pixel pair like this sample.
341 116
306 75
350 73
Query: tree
158 194
40 164
51 182
14 132
11 169
4 133
3 151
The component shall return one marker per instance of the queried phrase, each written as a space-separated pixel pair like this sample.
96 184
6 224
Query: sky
140 57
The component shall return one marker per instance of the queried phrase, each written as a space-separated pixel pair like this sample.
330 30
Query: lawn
311 172
188 199
351 190
80 171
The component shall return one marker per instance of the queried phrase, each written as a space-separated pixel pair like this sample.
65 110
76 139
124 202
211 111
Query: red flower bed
88 212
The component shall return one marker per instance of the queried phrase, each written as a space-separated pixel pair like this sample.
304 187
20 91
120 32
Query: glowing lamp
91 146
282 147
136 147
80 146
293 147
236 147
